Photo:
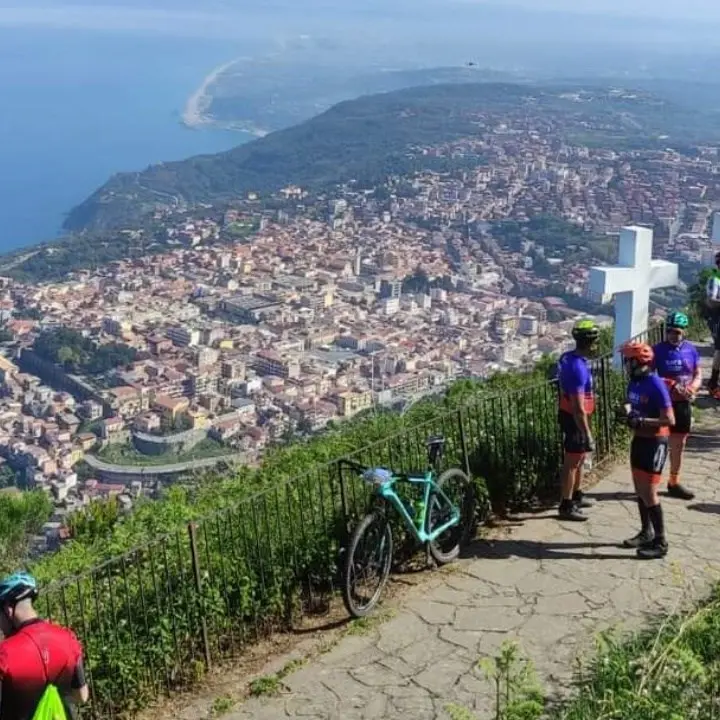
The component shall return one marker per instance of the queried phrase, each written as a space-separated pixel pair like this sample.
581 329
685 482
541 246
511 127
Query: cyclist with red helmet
677 361
577 403
39 661
649 413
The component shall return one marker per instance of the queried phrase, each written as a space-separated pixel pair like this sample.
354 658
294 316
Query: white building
184 337
390 306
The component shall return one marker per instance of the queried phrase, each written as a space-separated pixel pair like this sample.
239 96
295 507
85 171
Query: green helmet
586 330
677 320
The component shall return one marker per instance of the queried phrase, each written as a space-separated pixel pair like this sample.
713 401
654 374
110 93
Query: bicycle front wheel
456 485
367 565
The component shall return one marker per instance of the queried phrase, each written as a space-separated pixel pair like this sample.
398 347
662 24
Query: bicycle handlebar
351 465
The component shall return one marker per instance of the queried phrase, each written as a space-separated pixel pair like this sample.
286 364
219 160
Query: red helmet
641 352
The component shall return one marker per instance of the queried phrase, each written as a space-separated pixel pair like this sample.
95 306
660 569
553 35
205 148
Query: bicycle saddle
377 476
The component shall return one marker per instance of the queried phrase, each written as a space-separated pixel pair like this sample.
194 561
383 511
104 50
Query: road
173 469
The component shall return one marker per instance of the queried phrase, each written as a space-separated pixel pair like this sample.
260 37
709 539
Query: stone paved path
549 585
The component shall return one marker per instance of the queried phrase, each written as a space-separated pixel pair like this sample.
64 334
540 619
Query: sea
77 106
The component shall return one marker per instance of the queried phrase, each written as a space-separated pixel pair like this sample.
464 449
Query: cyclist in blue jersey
577 404
677 361
649 412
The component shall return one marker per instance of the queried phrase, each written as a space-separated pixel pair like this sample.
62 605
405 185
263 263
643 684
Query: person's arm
696 383
666 419
666 416
79 690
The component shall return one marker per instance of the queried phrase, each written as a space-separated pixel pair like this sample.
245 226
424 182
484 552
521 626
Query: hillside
275 95
368 138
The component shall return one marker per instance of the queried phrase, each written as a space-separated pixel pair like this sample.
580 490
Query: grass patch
366 625
221 706
291 667
456 712
271 685
267 685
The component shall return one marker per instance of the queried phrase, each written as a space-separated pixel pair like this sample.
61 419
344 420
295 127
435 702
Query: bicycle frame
417 525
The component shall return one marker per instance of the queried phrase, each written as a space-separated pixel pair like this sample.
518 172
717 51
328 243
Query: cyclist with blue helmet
36 655
677 362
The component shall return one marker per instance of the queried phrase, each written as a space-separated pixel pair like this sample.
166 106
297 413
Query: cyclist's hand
621 413
590 444
634 419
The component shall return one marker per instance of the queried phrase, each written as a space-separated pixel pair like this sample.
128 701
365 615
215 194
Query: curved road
173 469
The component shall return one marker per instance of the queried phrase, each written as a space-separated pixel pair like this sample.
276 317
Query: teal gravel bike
442 520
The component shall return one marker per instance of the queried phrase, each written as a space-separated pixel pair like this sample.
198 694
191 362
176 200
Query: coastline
195 113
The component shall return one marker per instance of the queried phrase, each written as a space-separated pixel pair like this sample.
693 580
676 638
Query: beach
195 113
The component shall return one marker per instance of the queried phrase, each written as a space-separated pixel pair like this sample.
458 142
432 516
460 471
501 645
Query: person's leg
658 547
649 491
571 473
677 449
645 536
572 463
678 439
578 497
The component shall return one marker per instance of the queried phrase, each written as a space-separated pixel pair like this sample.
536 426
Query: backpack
50 706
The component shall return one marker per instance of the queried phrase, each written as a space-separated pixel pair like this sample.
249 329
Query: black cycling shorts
574 440
648 456
683 418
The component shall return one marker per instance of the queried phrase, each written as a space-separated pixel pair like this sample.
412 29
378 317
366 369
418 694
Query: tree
78 353
65 355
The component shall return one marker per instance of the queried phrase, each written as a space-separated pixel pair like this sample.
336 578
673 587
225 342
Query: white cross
631 281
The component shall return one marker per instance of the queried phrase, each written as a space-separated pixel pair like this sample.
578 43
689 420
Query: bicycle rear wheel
459 490
367 565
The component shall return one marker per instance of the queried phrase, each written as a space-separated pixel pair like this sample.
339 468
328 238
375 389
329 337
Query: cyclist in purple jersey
677 361
577 404
648 411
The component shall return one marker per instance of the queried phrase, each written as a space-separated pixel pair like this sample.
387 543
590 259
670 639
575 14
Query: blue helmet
16 587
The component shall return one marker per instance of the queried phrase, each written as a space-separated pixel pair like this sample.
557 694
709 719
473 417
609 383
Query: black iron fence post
198 589
607 404
343 496
463 441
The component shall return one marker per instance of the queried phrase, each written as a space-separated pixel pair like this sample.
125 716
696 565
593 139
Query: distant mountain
295 87
371 137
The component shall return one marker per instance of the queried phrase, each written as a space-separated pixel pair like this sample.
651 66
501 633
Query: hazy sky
229 18
689 9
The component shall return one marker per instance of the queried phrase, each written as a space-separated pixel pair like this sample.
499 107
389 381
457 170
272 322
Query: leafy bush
21 515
